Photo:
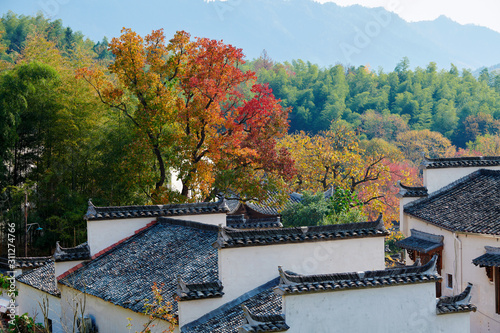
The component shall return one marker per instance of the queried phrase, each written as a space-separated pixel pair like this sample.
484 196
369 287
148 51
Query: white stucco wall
214 219
458 252
29 300
109 318
62 267
103 233
245 268
434 179
403 224
402 308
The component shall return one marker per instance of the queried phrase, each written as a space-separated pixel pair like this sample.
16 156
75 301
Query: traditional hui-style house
456 214
225 279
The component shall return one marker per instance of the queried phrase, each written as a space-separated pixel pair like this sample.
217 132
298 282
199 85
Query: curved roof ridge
134 211
453 162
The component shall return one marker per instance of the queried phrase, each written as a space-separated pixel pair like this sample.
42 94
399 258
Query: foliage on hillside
382 105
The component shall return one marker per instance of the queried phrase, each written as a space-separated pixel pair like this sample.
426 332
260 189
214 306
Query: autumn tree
335 158
186 102
487 145
414 144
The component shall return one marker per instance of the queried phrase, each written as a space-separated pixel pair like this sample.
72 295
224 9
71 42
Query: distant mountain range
325 34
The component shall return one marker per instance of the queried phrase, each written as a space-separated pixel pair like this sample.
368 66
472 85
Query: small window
450 281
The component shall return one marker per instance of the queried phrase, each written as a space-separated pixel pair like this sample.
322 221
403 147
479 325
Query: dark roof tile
31 262
42 278
458 303
291 283
411 192
460 162
121 212
236 238
490 259
261 301
190 291
421 241
469 204
239 222
80 252
125 274
262 323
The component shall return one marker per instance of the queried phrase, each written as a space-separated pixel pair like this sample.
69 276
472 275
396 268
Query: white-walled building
223 279
457 216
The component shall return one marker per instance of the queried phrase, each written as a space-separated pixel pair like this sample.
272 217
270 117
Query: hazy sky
480 12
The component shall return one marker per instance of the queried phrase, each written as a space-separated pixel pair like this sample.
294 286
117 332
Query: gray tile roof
411 191
159 254
31 262
42 278
470 204
458 303
460 162
490 259
270 206
421 241
239 222
190 291
236 238
80 252
262 323
291 283
122 212
261 301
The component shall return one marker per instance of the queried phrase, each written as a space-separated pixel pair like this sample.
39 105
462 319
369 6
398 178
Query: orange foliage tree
415 144
336 158
196 112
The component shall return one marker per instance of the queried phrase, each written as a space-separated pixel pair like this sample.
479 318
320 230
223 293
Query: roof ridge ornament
284 278
432 266
181 286
248 316
465 296
492 249
91 211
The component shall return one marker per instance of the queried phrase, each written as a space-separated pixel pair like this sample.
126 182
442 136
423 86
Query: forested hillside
74 126
382 104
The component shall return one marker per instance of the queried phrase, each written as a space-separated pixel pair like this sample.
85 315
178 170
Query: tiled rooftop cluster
411 191
42 278
237 238
453 208
291 283
261 301
159 254
121 212
80 252
458 303
457 162
421 241
31 262
239 222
